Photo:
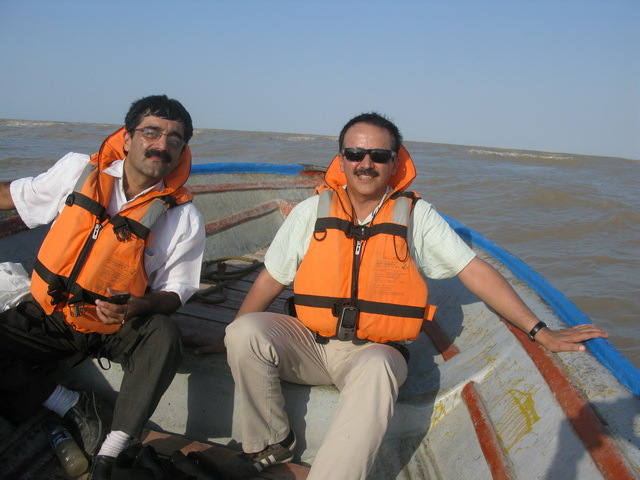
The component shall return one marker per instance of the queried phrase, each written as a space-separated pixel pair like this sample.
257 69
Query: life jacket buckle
70 200
359 232
121 228
122 233
76 309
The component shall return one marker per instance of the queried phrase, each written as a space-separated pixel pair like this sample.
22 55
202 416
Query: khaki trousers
263 348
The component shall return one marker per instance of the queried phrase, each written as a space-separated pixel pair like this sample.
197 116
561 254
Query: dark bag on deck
143 463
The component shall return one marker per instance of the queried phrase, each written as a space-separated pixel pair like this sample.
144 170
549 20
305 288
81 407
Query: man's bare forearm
153 302
6 202
263 292
488 284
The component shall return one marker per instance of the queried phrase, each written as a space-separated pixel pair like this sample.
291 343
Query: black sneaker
247 465
88 421
274 454
101 468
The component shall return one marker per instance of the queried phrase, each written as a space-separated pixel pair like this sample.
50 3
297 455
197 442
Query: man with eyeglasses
356 255
123 253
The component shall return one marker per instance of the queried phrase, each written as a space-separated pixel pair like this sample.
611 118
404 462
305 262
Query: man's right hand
205 344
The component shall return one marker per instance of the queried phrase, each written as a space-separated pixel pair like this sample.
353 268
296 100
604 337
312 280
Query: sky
547 75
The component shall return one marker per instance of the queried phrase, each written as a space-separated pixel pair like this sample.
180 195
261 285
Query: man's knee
243 329
160 332
385 360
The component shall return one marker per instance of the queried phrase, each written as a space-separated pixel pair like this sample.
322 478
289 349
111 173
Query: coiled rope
220 278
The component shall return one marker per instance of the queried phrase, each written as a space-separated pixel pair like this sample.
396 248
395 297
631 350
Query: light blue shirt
436 248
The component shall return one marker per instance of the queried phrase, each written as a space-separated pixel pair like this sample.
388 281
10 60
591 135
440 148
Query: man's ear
394 169
127 141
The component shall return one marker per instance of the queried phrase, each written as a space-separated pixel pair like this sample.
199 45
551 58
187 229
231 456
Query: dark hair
158 106
373 118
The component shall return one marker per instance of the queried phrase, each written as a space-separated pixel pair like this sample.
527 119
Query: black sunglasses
378 155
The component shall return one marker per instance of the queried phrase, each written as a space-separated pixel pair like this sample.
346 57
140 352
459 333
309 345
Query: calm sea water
573 218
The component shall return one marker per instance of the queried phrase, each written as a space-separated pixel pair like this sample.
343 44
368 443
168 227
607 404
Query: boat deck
198 409
214 307
26 455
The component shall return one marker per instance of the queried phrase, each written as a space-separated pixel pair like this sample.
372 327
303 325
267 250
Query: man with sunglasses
123 253
357 254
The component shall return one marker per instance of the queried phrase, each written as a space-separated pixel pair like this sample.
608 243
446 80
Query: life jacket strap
55 282
124 227
80 199
79 297
365 306
359 232
59 291
411 195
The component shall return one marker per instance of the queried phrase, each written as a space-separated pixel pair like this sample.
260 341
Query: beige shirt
435 247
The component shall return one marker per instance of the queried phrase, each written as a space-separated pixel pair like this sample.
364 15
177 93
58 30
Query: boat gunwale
605 352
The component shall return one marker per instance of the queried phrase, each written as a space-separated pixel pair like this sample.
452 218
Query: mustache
371 172
154 152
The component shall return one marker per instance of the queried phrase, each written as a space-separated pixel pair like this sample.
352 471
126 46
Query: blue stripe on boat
285 169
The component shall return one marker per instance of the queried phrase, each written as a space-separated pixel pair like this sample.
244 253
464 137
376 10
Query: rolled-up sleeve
39 199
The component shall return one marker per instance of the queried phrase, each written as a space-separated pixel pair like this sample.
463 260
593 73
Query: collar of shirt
119 200
368 220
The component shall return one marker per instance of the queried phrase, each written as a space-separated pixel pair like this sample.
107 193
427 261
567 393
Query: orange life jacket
366 267
86 251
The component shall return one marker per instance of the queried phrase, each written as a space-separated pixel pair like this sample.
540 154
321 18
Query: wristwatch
539 326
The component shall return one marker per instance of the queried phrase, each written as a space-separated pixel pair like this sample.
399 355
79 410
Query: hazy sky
549 75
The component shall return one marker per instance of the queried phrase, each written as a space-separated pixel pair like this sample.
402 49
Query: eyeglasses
378 155
150 133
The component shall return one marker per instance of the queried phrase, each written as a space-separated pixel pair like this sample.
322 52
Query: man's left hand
569 339
110 313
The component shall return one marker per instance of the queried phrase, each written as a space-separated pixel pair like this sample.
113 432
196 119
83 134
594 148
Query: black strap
410 194
55 282
80 199
169 200
123 227
359 232
365 306
390 309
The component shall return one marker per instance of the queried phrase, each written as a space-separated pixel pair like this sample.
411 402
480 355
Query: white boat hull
481 400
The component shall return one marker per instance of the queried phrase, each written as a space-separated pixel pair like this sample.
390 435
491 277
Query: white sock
61 400
115 443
